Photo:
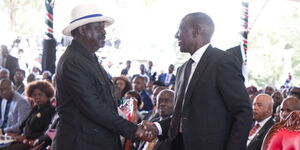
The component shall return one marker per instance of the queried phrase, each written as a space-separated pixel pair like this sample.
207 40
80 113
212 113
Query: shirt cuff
158 128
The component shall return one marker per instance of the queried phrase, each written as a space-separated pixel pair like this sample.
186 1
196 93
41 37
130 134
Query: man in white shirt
262 115
168 78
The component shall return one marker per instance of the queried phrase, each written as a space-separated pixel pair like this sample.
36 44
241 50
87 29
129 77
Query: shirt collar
262 123
198 54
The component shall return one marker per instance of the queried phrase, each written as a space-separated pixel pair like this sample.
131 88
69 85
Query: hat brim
67 30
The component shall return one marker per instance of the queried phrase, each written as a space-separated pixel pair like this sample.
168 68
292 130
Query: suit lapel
179 81
198 73
260 135
265 127
101 74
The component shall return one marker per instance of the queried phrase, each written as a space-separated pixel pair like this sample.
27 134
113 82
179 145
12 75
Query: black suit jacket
38 121
236 51
12 63
257 141
216 114
88 114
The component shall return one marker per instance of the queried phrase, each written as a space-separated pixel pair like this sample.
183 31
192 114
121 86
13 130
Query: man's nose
177 35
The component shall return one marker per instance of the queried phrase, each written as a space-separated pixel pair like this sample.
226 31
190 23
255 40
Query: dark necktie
254 129
175 122
7 107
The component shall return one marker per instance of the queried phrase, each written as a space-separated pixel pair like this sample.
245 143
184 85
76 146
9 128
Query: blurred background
144 31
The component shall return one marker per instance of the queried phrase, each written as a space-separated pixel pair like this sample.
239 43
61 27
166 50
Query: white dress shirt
261 124
196 58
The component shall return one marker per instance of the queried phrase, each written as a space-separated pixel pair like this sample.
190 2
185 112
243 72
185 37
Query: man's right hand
145 133
150 126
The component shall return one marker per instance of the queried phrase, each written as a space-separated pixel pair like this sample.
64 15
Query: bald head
165 103
156 91
195 31
288 105
262 107
203 23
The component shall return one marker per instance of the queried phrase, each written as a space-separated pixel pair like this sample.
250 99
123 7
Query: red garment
285 140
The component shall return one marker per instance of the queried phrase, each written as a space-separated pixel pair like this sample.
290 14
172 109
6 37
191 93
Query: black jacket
12 63
88 114
257 141
38 121
216 114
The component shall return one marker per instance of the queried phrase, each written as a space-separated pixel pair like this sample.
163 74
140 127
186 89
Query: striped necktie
254 129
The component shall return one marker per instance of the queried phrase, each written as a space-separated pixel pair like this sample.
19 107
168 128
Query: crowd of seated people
38 120
272 117
21 106
26 109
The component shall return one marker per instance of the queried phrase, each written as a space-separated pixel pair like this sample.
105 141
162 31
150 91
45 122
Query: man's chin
100 45
183 50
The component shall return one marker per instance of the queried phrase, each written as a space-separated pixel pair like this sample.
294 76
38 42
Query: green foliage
269 73
271 45
296 59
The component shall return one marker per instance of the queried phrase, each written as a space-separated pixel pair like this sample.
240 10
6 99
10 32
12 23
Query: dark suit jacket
257 141
216 113
124 71
88 114
147 101
236 51
38 121
12 63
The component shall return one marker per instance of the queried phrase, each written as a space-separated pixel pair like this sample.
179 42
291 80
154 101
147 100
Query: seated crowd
27 110
272 111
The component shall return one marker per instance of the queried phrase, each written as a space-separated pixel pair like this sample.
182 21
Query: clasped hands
146 131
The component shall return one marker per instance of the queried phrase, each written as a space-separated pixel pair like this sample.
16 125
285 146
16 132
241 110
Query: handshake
146 131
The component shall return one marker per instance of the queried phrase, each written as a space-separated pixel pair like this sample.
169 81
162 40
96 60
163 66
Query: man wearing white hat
85 104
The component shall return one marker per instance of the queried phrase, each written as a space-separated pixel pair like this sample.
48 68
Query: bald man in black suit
212 109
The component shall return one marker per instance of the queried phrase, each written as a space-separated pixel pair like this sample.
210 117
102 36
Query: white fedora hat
85 14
